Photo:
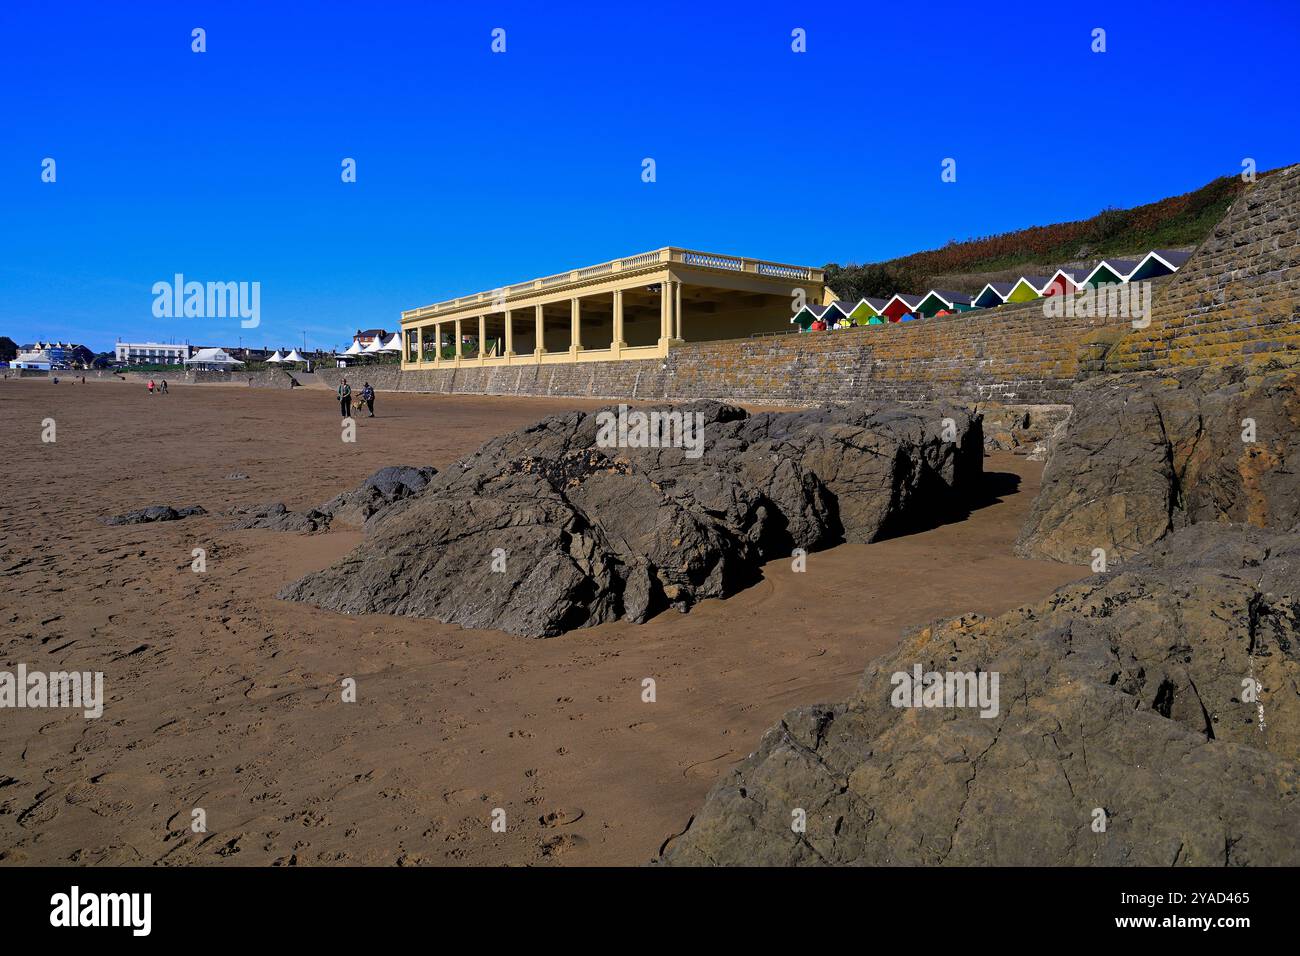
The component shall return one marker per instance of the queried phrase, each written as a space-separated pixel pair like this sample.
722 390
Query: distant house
901 305
1159 262
1027 288
995 293
1065 281
365 337
1111 272
938 300
53 355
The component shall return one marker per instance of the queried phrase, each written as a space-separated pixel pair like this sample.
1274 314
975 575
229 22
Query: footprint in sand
561 844
461 797
561 817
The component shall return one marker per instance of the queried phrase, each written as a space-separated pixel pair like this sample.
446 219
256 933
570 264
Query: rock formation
548 529
1127 732
154 513
1149 452
384 488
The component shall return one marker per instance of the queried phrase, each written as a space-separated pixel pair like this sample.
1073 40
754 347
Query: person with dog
345 398
368 397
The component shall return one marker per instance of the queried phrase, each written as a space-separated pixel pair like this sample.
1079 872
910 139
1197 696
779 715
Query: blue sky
476 169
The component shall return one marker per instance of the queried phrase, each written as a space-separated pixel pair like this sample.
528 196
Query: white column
510 338
482 336
575 325
539 319
458 341
665 312
677 310
618 342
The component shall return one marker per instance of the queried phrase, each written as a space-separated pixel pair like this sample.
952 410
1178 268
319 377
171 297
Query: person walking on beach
150 386
164 386
345 398
368 396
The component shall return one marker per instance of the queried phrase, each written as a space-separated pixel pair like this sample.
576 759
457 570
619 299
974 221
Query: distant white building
32 358
151 353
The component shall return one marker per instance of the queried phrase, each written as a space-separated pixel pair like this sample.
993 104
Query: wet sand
222 698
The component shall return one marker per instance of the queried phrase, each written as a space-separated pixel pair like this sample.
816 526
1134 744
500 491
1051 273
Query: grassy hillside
1177 222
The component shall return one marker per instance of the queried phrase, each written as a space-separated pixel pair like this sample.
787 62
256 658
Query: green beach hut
939 300
1111 272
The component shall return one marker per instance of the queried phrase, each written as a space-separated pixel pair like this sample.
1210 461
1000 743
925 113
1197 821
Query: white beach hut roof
373 348
293 356
212 357
353 349
277 357
394 344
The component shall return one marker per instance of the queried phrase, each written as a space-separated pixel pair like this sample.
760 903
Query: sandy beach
220 697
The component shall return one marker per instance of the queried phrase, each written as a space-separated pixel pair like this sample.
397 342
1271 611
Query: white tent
394 344
212 358
374 348
277 357
293 356
353 349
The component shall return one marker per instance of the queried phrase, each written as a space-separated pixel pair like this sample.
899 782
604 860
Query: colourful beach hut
1065 281
900 305
1111 272
843 312
939 300
993 294
1027 288
806 316
1159 262
822 315
863 312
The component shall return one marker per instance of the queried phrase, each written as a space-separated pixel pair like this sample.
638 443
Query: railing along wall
687 257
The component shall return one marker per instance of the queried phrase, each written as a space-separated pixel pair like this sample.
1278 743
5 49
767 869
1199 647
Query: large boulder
1148 452
553 527
1126 732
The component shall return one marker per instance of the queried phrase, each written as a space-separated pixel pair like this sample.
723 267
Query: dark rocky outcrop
1120 695
274 516
544 530
380 491
154 513
1146 453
